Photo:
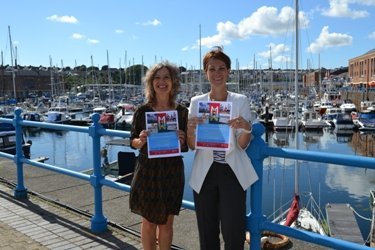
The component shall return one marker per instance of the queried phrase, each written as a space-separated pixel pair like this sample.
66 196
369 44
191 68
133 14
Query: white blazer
236 157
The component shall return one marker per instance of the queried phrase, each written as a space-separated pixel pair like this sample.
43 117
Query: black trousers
221 204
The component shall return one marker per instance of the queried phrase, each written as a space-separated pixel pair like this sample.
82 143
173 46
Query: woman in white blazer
220 178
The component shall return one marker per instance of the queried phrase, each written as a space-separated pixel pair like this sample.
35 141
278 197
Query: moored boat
343 121
8 143
33 116
6 126
123 119
308 218
57 114
120 169
312 120
107 119
366 120
330 114
323 106
348 106
283 119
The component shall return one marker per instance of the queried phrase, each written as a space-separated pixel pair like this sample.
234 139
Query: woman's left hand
181 136
240 123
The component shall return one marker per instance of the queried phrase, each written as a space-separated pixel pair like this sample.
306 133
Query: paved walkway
34 223
57 215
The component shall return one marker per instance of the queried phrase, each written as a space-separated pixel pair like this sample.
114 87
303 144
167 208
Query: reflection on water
281 138
312 136
363 144
328 182
355 182
343 142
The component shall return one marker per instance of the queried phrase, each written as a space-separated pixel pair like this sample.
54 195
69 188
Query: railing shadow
106 239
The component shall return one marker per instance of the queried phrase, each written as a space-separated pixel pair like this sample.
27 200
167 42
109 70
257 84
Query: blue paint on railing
256 221
20 190
257 151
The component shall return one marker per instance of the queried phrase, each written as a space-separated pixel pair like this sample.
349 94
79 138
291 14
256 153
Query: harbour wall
358 96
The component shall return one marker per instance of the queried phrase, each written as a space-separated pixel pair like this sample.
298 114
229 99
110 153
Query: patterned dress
158 184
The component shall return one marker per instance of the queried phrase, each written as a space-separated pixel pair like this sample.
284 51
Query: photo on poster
215 132
163 139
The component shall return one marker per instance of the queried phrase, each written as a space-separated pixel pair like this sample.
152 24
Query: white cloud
92 41
119 31
265 21
268 21
340 8
327 39
278 53
78 36
274 50
154 22
372 35
62 19
364 2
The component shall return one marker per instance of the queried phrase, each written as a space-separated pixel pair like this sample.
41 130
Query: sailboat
308 217
14 67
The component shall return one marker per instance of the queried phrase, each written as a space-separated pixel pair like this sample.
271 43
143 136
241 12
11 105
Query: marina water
328 183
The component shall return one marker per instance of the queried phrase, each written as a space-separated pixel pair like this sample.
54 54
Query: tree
134 74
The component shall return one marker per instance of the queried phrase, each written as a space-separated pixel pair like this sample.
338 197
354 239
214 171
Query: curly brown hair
149 77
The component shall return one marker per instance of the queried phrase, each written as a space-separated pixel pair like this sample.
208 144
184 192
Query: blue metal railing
257 151
256 221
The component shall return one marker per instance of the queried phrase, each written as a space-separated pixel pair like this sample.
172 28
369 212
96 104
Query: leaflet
215 132
162 140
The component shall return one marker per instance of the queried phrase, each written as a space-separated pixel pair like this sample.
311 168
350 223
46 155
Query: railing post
20 192
98 221
256 153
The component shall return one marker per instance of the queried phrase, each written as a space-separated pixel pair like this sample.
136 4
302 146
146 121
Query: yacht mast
13 69
111 94
320 79
271 73
52 78
125 65
200 59
296 179
62 77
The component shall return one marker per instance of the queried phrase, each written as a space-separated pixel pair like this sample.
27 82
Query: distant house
362 70
27 81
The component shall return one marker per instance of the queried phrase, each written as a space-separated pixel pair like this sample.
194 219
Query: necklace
224 98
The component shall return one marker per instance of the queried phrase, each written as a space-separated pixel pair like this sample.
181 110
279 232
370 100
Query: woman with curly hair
158 183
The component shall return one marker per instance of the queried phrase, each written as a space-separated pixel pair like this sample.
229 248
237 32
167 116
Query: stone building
362 70
27 82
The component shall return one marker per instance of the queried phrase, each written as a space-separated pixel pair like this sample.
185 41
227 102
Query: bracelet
246 131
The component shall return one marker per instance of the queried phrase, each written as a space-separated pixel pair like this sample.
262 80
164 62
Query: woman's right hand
194 121
192 125
141 140
143 136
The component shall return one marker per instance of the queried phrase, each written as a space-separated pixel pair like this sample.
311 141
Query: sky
255 34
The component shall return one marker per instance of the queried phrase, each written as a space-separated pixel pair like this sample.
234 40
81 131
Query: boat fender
267 244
